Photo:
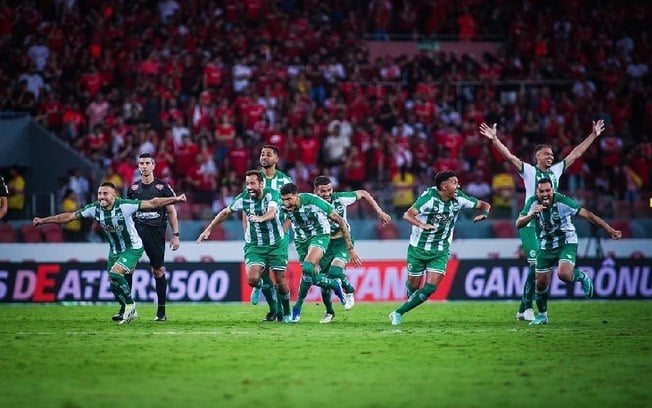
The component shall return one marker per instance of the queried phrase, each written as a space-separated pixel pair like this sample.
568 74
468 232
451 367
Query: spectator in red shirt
238 159
355 169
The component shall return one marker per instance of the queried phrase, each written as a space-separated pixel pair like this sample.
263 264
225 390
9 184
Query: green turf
595 354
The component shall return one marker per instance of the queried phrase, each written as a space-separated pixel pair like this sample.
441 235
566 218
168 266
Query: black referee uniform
151 226
4 192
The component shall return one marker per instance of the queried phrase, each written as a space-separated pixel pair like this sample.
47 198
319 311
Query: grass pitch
593 354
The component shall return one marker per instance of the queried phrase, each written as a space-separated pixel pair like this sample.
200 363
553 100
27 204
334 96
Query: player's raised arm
484 208
218 219
62 218
161 202
594 219
492 134
578 151
382 215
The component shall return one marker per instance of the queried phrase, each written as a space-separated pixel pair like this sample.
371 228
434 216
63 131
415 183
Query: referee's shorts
154 243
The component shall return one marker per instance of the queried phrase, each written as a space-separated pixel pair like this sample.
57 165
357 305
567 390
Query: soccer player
551 213
265 246
4 193
151 225
337 256
309 216
544 168
433 216
125 246
275 179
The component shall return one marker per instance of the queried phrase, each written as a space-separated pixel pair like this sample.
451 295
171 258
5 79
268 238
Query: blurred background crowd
203 84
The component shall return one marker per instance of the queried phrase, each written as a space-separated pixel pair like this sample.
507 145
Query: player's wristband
176 234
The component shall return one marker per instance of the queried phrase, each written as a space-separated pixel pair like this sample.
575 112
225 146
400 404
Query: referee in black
151 225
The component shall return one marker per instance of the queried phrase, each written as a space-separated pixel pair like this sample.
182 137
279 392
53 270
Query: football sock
122 287
304 286
578 276
279 300
129 277
285 303
541 297
118 295
161 287
270 294
326 298
337 272
409 290
528 291
417 298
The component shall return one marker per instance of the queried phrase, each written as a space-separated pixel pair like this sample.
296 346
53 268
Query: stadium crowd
202 85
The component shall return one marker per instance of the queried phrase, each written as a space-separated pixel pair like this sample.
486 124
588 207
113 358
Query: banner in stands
71 282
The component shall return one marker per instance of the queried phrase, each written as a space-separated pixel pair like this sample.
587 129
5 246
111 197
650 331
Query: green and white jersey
340 201
442 214
277 181
266 233
311 218
553 225
117 223
531 176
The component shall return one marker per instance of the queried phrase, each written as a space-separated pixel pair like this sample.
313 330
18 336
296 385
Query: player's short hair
321 181
108 184
443 176
544 181
146 156
289 188
271 147
542 146
256 173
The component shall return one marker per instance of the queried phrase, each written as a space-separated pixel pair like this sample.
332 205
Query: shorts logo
123 259
533 253
409 266
569 256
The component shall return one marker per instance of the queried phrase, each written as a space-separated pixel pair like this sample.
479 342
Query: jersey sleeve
131 191
238 203
87 211
528 172
558 169
128 206
346 197
567 206
465 200
167 191
423 199
318 202
274 198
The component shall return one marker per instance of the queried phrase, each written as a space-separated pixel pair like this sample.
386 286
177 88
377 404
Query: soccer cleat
286 318
118 316
296 315
255 295
587 286
327 318
349 301
395 318
338 291
527 315
161 318
130 314
540 319
270 317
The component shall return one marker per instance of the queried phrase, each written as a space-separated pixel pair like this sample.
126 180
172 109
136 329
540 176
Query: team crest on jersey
134 186
159 186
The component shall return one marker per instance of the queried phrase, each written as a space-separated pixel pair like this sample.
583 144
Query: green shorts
128 259
274 257
530 243
548 258
419 260
336 250
319 241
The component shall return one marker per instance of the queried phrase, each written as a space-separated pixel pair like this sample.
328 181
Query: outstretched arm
161 202
411 217
382 216
492 134
484 208
578 151
62 218
218 219
594 219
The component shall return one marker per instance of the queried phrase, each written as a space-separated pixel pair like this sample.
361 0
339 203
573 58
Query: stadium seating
623 226
52 233
503 229
30 233
389 231
7 233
